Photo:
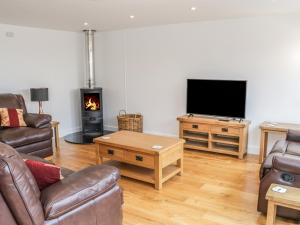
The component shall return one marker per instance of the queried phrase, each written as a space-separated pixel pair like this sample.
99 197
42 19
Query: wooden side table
54 125
289 199
272 127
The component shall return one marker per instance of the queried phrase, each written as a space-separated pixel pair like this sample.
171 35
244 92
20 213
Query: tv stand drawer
195 127
225 130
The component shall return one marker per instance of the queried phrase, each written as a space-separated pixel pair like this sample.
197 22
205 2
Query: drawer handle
195 126
139 158
110 152
224 129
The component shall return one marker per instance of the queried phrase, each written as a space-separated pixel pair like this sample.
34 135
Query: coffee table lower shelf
143 174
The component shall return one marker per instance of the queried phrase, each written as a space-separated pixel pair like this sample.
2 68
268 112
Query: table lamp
39 95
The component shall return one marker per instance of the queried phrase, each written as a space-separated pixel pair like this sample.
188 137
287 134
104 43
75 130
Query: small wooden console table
272 127
214 135
289 199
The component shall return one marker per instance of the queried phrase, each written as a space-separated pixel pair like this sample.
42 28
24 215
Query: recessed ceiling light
131 16
85 23
193 8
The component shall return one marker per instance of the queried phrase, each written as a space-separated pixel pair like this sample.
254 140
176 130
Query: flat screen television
225 98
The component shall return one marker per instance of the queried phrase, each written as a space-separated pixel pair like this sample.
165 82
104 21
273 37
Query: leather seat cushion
17 137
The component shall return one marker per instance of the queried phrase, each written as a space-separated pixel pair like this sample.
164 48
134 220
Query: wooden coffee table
134 155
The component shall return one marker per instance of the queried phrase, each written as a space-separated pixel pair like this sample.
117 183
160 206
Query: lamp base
41 111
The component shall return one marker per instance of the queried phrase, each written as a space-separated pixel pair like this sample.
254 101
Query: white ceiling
114 14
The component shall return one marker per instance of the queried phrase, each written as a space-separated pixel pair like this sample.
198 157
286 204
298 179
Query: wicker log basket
131 122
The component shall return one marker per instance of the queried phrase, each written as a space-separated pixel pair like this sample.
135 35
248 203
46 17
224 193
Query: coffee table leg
271 214
98 159
180 165
158 173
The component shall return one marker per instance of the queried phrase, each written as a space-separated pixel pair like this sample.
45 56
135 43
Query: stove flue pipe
90 58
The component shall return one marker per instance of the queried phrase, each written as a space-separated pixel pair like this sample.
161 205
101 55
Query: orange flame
91 105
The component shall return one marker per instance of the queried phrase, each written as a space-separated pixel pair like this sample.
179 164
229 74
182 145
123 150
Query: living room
144 53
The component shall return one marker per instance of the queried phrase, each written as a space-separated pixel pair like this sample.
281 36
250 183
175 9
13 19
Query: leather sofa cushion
17 137
12 101
293 148
293 135
77 189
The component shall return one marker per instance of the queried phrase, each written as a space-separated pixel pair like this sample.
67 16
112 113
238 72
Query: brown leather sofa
89 197
36 138
282 166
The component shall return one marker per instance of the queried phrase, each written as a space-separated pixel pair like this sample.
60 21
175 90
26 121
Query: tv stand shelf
214 135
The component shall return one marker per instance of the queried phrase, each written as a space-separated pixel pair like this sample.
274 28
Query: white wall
145 69
44 58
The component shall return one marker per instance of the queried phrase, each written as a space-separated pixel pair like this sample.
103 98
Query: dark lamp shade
39 94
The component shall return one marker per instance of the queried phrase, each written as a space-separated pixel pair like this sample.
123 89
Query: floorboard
214 189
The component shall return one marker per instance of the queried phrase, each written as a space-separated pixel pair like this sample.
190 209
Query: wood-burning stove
91 111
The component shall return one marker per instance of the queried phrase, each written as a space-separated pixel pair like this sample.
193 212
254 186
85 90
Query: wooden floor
214 189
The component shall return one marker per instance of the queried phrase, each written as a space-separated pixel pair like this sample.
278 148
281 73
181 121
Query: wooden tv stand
213 135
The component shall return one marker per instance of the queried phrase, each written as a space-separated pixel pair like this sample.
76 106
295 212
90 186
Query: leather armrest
267 164
286 164
293 135
37 120
77 189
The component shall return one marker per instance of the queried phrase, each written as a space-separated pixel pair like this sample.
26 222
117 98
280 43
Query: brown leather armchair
36 138
282 166
89 197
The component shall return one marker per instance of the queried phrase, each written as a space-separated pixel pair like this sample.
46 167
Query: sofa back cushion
293 135
19 189
12 101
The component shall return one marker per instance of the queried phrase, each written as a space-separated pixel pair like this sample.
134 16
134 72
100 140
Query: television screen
216 97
